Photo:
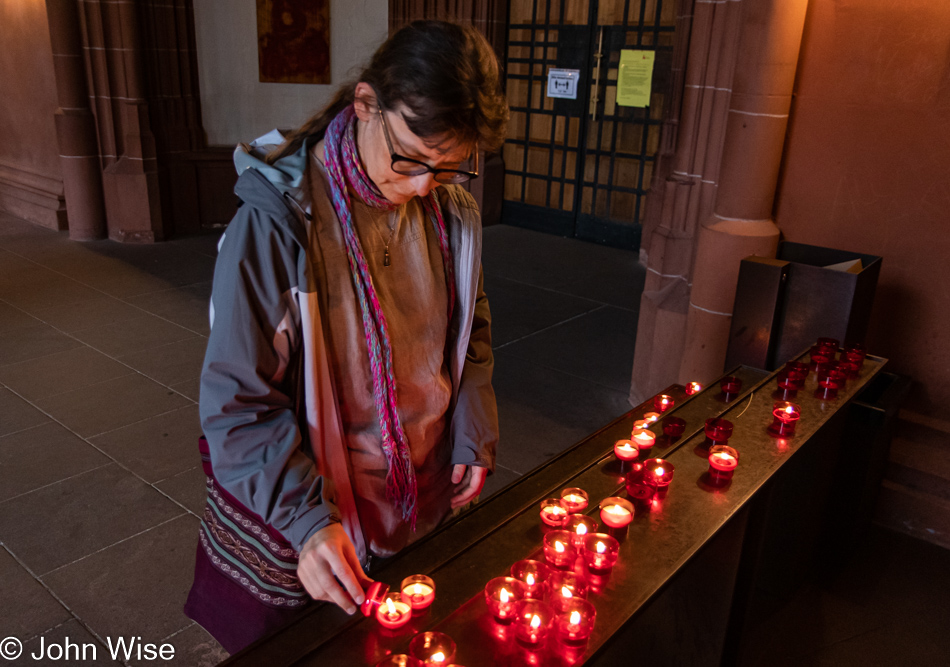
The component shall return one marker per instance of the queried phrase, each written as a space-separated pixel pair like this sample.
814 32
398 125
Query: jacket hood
286 175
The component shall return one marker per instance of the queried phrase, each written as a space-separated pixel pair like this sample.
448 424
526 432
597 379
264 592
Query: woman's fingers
474 486
329 569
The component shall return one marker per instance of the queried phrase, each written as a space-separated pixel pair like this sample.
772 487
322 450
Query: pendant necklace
392 233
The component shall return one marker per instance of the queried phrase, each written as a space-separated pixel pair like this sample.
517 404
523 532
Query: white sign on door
563 83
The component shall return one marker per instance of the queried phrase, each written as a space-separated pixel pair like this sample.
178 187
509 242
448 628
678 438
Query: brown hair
447 76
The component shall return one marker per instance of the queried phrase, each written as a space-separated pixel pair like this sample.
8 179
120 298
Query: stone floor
100 484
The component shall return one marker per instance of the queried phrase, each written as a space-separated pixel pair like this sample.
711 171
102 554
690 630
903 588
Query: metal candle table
691 572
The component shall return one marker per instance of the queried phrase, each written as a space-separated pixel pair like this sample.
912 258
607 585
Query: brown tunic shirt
413 295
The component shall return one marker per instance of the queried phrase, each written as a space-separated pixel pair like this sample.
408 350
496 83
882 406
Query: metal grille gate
582 167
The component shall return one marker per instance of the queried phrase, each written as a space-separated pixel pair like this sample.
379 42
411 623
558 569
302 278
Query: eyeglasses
409 167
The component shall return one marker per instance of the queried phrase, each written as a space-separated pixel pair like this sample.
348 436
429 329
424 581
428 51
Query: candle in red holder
432 648
616 512
399 660
855 353
693 388
819 359
574 500
565 586
651 418
797 371
674 427
786 418
580 526
661 470
788 385
418 590
830 345
553 513
575 622
559 549
848 368
640 486
730 385
600 552
829 382
723 460
662 403
644 439
501 594
393 613
718 430
532 622
533 573
626 450
375 596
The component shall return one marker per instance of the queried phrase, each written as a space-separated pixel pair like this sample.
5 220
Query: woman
346 391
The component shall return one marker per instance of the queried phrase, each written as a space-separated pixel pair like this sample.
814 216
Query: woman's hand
328 554
468 481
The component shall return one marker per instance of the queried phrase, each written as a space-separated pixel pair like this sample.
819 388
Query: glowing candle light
575 622
616 512
600 552
393 614
579 525
553 513
418 590
574 500
722 463
651 417
533 622
644 440
564 587
559 549
786 418
661 470
662 403
432 648
693 388
626 450
501 594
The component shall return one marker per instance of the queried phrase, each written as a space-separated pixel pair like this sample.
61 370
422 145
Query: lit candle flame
660 472
574 498
503 595
438 656
575 617
535 622
789 409
566 592
529 579
601 547
390 606
695 387
616 509
581 529
559 547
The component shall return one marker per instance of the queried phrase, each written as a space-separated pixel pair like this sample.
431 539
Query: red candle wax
640 486
661 470
553 513
786 418
643 439
565 586
574 500
432 648
722 462
580 526
559 549
693 388
575 622
533 573
616 512
418 590
651 418
626 450
532 622
393 614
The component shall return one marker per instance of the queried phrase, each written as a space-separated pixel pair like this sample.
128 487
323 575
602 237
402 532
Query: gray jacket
268 405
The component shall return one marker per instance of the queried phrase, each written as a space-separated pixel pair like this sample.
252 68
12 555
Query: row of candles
537 597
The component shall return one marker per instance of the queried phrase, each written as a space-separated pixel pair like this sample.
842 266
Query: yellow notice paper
635 79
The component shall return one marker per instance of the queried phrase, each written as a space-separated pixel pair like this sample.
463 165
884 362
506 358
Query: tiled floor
100 484
100 351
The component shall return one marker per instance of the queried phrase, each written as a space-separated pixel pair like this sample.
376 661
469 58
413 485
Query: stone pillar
741 224
75 125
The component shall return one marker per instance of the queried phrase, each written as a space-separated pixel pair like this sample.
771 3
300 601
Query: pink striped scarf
345 170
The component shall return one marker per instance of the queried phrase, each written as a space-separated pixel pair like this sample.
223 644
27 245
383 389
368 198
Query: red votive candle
723 460
418 590
786 418
501 594
580 525
532 622
574 500
432 648
640 485
848 368
662 403
616 512
718 430
730 385
797 371
674 427
855 353
819 359
829 382
661 470
399 660
393 613
565 586
830 345
643 439
651 418
600 552
693 388
575 622
553 513
626 450
533 573
559 549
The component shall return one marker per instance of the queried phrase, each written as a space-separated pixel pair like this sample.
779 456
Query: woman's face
377 160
